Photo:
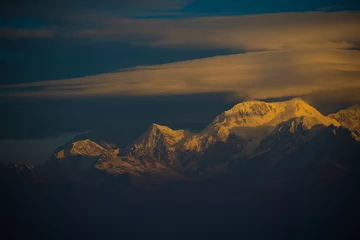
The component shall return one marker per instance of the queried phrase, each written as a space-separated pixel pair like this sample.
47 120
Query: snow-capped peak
350 119
299 124
258 113
255 114
83 147
157 131
292 132
159 142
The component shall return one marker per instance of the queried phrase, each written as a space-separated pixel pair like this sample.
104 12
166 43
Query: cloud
258 32
287 54
45 8
69 18
250 32
258 75
333 100
332 8
21 33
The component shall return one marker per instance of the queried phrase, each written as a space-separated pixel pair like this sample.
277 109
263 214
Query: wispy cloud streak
249 32
25 33
286 54
260 75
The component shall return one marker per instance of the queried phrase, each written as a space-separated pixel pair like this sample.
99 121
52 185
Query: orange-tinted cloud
297 54
250 32
258 74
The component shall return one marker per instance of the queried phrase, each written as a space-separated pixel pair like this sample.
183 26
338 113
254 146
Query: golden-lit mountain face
255 114
349 118
156 138
246 131
83 148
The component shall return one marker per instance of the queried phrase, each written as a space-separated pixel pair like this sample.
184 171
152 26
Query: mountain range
236 139
256 168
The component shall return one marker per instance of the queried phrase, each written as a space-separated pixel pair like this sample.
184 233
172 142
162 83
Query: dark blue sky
37 55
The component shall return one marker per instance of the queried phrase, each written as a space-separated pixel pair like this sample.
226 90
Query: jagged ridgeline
252 135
